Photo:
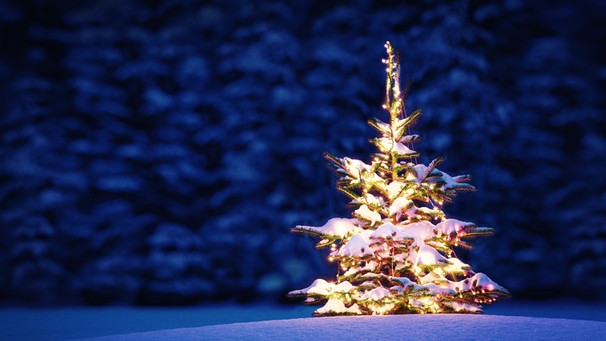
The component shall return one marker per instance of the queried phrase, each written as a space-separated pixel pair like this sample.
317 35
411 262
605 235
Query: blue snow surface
82 322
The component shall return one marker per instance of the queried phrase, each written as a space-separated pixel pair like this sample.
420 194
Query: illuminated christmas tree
396 254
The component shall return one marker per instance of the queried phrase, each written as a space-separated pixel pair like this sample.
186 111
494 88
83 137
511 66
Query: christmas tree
396 254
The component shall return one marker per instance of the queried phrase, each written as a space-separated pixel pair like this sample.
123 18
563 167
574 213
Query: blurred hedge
159 153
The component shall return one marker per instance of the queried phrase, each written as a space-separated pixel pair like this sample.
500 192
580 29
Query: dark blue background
158 152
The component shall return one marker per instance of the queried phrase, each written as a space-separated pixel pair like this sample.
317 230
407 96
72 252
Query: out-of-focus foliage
158 153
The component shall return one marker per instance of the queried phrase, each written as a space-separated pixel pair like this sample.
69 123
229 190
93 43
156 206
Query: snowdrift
392 327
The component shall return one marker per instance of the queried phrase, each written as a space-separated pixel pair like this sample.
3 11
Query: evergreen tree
396 253
36 275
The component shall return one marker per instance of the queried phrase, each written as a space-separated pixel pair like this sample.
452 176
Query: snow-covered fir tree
396 253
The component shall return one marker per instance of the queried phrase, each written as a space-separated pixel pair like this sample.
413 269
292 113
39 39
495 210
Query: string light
395 257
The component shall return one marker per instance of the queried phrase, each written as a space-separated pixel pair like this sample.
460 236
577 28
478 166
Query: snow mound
391 327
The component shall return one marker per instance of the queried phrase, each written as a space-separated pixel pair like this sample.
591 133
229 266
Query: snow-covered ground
74 323
393 327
